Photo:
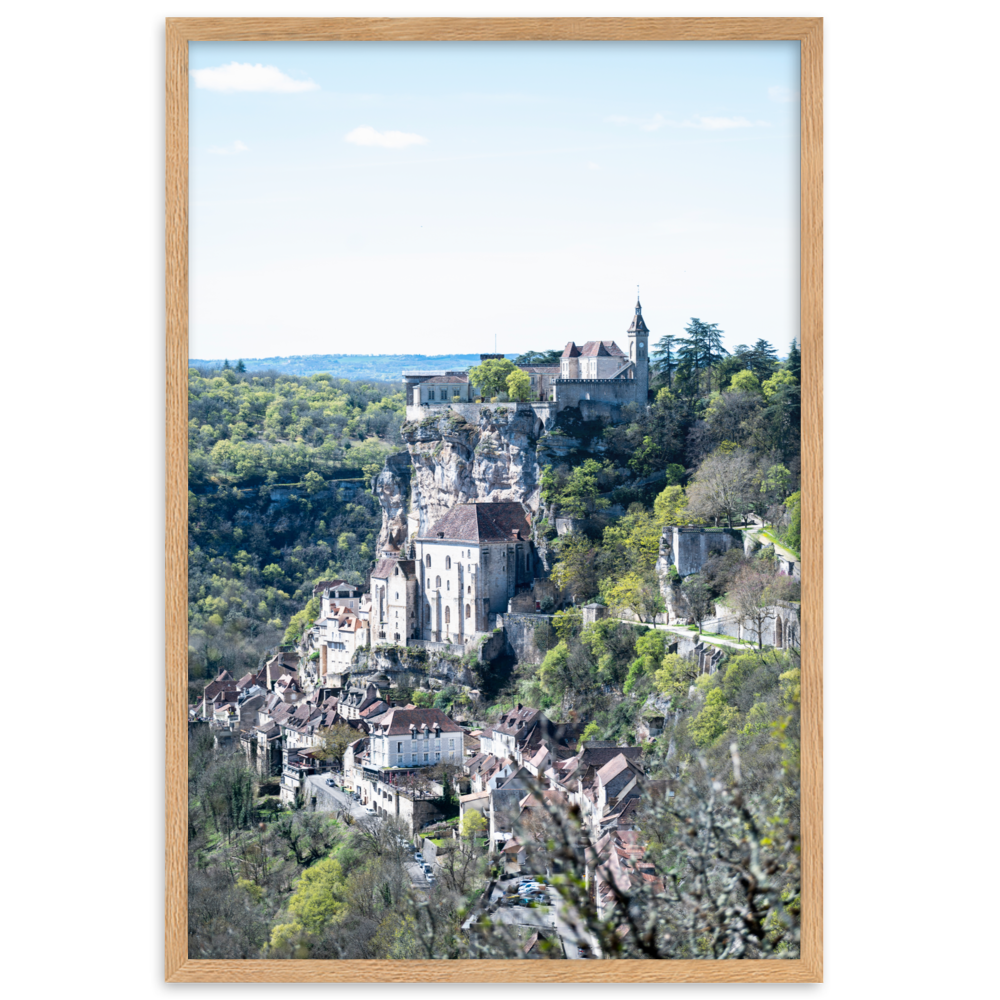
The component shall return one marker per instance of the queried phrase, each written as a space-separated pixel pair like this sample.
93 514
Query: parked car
331 782
418 857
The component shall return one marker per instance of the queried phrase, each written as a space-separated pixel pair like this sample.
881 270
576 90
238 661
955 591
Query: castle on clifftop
598 372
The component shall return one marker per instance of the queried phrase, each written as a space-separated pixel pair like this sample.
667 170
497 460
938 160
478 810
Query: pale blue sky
427 197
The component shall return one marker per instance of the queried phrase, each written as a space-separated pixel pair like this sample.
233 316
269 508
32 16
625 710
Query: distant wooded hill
385 367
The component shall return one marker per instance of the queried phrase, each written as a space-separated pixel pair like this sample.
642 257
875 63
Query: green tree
318 901
774 486
664 359
639 593
582 494
794 361
675 676
538 358
313 482
567 623
519 385
592 731
670 507
490 377
240 367
576 570
649 655
763 359
793 536
777 381
714 720
744 381
702 349
472 824
633 541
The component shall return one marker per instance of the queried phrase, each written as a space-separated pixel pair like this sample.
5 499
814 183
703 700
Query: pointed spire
638 323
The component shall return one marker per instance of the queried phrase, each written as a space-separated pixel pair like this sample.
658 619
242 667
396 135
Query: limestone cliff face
409 668
392 488
453 460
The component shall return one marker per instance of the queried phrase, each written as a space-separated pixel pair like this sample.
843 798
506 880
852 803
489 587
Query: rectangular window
399 748
425 758
437 756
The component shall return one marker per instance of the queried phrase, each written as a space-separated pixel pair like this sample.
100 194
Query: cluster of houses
526 765
513 770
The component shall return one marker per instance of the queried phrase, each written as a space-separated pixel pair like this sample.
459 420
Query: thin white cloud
365 135
593 166
237 77
781 95
699 121
236 147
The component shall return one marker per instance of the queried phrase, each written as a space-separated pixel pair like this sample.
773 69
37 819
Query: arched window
468 611
447 615
428 559
437 581
447 562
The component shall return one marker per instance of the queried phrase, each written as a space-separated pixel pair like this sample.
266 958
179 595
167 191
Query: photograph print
494 501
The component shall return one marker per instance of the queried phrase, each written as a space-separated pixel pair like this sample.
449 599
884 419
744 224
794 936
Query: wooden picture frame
179 31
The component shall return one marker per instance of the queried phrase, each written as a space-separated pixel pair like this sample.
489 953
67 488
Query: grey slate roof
482 522
638 323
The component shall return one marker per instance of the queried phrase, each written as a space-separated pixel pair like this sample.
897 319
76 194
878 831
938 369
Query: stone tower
638 352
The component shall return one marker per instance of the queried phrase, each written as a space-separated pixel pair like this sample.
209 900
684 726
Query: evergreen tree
701 351
240 367
794 362
762 359
664 362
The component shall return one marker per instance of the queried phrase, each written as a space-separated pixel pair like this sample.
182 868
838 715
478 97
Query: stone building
468 566
598 372
394 601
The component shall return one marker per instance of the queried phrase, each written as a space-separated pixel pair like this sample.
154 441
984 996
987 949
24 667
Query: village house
394 601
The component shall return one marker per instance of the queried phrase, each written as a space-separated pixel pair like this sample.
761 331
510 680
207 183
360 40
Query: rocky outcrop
408 667
455 460
392 489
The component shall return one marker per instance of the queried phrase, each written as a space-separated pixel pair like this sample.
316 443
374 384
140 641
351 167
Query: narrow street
334 800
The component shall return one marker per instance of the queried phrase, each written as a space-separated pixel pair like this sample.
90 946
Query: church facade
464 571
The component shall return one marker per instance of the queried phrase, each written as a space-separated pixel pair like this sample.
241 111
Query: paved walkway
685 631
755 530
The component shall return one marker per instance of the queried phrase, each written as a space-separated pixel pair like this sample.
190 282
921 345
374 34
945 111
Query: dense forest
277 501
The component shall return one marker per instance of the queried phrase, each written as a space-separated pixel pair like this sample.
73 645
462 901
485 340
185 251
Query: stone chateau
598 371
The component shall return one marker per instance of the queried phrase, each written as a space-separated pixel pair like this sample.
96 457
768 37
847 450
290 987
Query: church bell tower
638 352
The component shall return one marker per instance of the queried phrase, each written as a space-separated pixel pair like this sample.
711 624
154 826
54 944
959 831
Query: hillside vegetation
277 500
